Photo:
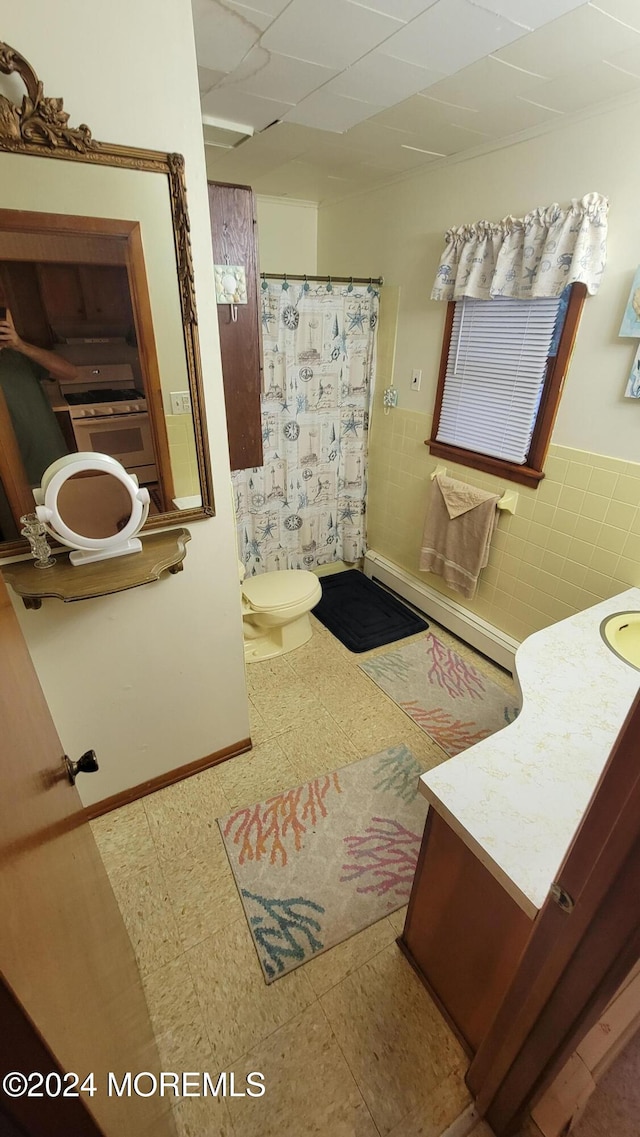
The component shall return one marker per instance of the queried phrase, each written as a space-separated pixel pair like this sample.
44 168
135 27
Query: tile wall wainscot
573 541
184 462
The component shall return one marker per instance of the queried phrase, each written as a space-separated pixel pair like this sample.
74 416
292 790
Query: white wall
151 678
287 235
398 231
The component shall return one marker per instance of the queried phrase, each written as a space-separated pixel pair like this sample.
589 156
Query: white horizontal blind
495 373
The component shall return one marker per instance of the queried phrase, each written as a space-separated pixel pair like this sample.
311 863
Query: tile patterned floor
351 1044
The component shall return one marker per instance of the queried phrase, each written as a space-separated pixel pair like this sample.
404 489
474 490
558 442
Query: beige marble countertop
517 798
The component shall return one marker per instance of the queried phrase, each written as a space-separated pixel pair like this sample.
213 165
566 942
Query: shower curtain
306 505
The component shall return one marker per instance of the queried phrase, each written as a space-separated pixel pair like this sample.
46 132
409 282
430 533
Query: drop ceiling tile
223 37
592 83
238 107
375 139
584 35
402 9
278 77
208 79
510 116
627 60
220 137
380 79
291 140
424 120
252 15
450 35
333 33
331 112
626 10
531 13
483 83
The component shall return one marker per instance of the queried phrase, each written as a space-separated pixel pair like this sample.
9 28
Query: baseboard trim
125 797
485 637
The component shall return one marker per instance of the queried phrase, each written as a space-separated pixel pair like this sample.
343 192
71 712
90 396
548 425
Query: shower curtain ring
285 283
350 285
329 284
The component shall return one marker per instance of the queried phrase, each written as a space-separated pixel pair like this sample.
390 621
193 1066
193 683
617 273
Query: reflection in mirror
94 504
98 328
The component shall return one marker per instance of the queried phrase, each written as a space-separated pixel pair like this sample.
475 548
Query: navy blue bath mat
361 614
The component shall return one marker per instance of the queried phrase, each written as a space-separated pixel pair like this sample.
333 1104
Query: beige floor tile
259 730
317 745
397 920
202 891
447 1101
270 676
239 1008
334 965
177 1019
396 1043
251 777
124 839
484 1130
285 704
143 900
183 816
203 1117
310 1091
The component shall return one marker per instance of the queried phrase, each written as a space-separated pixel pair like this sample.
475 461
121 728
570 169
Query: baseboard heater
469 627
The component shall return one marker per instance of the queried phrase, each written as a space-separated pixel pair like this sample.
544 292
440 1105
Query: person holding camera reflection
22 367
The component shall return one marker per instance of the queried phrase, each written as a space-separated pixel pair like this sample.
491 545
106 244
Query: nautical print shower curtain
306 505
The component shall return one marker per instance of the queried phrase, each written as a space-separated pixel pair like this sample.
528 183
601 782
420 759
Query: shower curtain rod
379 280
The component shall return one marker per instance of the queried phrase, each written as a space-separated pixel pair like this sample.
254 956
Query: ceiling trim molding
282 199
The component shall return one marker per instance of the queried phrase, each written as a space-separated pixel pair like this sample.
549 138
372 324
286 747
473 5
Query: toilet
275 611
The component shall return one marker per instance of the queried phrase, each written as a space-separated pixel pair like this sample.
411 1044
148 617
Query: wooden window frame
532 472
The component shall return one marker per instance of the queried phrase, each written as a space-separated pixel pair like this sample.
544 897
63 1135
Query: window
502 371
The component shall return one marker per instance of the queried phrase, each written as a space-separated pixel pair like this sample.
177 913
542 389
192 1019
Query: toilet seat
276 591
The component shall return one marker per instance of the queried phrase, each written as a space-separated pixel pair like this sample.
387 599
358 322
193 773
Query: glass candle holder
35 531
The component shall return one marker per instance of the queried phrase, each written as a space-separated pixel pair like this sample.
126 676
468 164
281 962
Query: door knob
86 764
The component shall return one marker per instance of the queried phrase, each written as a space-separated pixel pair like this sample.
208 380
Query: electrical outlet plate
416 379
180 402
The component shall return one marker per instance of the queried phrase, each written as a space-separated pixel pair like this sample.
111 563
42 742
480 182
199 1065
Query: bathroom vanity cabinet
503 814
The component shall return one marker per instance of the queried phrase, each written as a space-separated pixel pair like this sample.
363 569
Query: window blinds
495 373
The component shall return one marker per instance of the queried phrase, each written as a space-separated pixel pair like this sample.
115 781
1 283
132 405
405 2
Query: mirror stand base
90 556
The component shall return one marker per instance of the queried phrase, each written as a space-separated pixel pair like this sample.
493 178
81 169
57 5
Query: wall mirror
96 273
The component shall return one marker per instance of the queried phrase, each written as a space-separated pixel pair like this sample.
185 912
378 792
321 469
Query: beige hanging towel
457 532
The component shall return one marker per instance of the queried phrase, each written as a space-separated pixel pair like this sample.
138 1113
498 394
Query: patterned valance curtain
525 258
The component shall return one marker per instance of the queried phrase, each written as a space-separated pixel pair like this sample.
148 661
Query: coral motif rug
320 862
442 693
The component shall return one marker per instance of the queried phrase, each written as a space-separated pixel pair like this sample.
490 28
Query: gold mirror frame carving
40 126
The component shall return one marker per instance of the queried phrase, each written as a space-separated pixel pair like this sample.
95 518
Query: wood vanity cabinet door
463 933
233 236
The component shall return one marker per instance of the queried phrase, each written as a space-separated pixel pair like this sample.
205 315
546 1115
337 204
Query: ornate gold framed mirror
99 342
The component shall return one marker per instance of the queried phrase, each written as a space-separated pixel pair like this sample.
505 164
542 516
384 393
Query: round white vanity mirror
90 503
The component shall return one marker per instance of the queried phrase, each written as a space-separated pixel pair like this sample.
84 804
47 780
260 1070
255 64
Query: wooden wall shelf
161 552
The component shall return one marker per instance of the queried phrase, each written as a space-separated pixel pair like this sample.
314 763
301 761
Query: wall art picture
630 325
633 384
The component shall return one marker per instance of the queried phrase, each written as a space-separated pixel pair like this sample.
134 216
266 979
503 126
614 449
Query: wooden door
71 998
233 234
585 942
105 289
61 291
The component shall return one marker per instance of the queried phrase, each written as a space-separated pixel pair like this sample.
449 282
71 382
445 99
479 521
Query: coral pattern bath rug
322 861
442 693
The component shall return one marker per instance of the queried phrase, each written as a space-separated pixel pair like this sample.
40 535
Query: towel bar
508 501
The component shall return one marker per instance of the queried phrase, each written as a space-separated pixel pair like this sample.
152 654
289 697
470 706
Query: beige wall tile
239 1008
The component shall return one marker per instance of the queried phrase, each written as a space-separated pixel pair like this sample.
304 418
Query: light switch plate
180 402
416 379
